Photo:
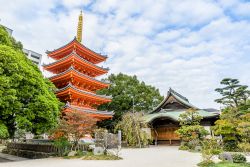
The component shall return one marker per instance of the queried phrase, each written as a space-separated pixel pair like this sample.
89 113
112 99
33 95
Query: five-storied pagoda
75 70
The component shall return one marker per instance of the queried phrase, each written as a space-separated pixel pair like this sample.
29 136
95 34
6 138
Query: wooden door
166 133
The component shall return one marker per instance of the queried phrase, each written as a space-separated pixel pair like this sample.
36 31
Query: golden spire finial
79 28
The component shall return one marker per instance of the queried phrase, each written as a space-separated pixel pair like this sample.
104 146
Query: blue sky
189 45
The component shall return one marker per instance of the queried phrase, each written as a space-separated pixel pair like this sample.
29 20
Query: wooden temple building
75 69
163 120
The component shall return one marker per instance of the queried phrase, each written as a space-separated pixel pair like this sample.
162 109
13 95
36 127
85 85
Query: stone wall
30 150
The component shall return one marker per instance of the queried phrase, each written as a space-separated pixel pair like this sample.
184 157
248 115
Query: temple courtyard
160 156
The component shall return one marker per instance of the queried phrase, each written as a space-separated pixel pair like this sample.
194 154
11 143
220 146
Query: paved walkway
146 157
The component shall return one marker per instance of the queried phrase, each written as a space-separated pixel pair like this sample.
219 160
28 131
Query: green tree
191 132
3 131
227 124
27 99
233 94
210 148
232 123
243 130
132 127
243 127
190 117
128 91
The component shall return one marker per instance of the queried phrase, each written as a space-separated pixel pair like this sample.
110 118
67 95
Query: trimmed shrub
230 145
210 148
193 143
206 163
198 149
244 146
239 158
183 147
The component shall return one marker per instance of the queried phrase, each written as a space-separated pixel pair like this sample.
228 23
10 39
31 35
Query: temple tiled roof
108 113
81 74
162 110
174 114
75 40
75 54
182 99
178 97
82 91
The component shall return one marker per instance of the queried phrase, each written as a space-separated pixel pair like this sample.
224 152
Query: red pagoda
75 70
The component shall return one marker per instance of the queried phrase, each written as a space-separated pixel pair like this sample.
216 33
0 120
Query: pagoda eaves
96 114
69 91
80 49
77 78
78 63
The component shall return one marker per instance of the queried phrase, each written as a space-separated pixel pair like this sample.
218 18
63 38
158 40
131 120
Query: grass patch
72 157
229 164
91 156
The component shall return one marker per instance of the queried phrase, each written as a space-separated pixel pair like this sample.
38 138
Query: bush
210 147
183 147
132 125
230 145
3 131
81 153
193 143
239 158
206 163
198 149
62 145
244 146
85 146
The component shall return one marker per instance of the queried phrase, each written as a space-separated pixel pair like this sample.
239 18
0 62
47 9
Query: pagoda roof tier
77 62
94 113
71 72
71 90
79 48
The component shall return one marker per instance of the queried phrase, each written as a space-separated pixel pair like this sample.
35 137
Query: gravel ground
146 157
162 156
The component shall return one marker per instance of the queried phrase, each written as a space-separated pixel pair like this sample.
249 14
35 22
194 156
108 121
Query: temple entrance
163 131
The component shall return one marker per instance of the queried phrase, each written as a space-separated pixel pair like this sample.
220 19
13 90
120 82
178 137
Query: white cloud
187 45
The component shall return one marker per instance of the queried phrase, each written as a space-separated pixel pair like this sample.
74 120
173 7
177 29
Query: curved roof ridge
90 111
75 54
82 91
72 68
174 115
178 94
74 39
